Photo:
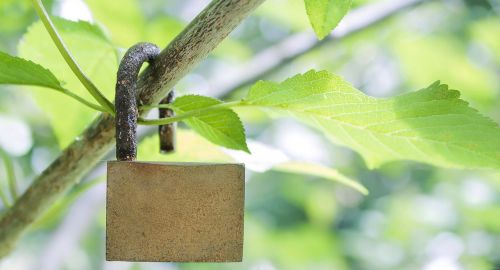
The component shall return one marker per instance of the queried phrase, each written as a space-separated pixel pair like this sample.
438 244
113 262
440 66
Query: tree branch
199 38
219 19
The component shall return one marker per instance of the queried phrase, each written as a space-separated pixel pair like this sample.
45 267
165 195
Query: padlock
168 212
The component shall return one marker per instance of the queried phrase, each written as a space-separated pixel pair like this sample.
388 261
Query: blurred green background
416 216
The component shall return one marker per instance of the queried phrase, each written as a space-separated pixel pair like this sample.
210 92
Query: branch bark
199 38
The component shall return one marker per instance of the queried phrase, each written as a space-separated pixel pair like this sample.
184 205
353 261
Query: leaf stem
56 38
84 101
11 177
182 116
160 106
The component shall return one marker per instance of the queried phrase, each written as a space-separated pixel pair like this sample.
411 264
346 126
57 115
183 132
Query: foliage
95 55
324 15
431 125
220 125
15 70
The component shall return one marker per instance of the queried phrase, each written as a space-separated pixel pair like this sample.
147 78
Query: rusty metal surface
126 98
175 212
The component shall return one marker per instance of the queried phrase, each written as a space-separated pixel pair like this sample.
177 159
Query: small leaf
221 126
432 125
16 70
324 15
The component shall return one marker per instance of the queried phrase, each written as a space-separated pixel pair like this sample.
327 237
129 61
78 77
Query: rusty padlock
168 212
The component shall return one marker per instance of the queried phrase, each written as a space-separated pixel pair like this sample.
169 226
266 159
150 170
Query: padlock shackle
126 98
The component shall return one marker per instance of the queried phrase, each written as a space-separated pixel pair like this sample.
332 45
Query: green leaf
15 70
221 126
95 55
432 125
324 15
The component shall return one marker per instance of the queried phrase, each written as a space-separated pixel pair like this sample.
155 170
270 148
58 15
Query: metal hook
126 98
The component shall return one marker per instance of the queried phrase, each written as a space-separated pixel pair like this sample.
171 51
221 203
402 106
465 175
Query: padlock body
174 212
